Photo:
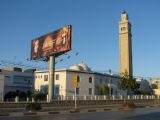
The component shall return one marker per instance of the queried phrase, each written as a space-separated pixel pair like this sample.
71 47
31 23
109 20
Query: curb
121 108
74 111
30 113
92 110
54 112
4 114
107 109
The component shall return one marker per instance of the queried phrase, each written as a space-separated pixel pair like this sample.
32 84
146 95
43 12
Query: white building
14 79
143 85
87 84
155 84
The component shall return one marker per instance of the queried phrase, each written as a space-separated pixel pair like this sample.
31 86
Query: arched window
90 79
78 79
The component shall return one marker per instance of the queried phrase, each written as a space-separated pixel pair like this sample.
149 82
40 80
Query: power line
6 63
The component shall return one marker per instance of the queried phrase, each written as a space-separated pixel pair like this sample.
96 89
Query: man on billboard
63 40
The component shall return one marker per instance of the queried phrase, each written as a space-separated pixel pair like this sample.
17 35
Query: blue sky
95 31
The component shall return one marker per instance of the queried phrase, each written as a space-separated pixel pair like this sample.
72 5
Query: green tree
142 92
127 83
9 96
103 89
17 92
29 94
22 95
39 96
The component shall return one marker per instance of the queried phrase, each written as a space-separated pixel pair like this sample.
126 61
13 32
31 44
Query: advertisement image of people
47 47
63 39
56 43
35 45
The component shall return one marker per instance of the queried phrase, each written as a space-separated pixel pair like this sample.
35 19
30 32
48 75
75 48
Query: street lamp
110 83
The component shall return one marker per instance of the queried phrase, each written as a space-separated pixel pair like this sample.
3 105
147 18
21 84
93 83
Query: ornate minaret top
124 16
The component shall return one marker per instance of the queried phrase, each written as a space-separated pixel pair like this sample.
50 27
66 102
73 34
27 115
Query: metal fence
113 97
93 97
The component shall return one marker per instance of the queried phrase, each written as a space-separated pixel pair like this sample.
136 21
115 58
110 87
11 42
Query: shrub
39 96
128 104
33 107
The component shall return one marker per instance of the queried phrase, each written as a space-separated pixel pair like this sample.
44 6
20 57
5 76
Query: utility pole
75 83
51 78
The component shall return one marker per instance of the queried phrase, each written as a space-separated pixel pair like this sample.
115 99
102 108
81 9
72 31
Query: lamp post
2 86
110 84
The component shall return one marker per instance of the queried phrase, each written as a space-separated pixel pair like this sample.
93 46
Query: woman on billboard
35 48
47 47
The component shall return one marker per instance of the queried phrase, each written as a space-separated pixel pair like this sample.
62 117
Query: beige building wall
64 81
87 85
125 45
156 91
39 79
59 81
83 84
155 85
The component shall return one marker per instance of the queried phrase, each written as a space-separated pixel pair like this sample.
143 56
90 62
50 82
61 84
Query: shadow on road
149 116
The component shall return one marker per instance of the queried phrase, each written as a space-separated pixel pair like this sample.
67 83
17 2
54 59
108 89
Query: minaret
125 45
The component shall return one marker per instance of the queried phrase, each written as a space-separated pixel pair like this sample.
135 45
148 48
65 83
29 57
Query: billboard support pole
51 78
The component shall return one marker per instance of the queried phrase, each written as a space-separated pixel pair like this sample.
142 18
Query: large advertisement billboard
57 42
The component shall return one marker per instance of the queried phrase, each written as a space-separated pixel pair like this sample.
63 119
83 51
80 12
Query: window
90 79
154 86
7 76
106 80
29 81
45 89
138 85
77 91
100 80
57 76
45 77
90 91
123 28
111 91
78 79
56 90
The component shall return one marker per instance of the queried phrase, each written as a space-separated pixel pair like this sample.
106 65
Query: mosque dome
85 67
80 67
76 67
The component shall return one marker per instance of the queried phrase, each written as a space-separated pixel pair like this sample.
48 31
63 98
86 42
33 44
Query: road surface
135 114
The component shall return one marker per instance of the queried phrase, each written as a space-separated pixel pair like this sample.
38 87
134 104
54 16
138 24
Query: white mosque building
87 83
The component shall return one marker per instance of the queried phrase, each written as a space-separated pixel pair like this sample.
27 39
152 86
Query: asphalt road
135 114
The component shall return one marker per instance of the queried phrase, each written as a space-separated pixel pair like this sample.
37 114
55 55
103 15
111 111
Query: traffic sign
74 81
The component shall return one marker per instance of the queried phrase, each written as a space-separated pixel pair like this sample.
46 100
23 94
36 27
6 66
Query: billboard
57 43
